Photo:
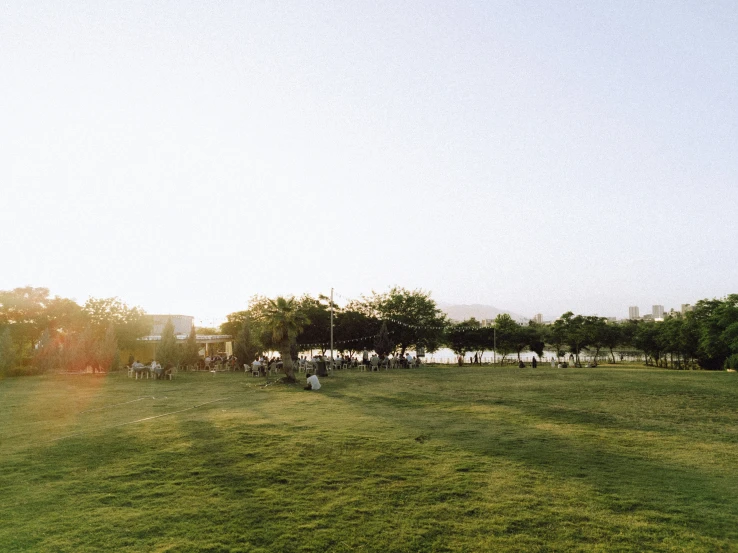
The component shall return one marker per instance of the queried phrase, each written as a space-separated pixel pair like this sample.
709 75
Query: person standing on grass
534 363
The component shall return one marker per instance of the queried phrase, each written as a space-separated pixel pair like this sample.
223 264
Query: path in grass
436 459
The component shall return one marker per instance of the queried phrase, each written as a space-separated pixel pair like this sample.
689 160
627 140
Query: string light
318 344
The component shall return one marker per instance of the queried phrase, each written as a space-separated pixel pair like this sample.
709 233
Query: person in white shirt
312 382
139 369
256 366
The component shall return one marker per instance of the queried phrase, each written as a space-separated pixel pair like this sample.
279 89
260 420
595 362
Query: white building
183 325
658 311
633 313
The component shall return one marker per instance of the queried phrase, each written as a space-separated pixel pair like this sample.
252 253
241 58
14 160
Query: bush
732 362
24 370
7 352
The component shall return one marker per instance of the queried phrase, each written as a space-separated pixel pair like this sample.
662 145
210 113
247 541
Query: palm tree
285 320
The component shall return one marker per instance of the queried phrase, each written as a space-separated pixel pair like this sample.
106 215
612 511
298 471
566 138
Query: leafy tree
284 320
536 341
247 346
318 312
191 351
595 331
62 316
613 337
47 353
383 344
413 317
355 329
522 338
79 351
690 340
679 338
575 333
628 331
555 337
107 351
460 338
718 330
649 340
168 351
130 323
470 336
7 351
483 339
507 331
234 323
259 308
23 311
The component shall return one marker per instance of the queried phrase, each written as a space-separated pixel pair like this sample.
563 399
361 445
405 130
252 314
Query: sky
537 156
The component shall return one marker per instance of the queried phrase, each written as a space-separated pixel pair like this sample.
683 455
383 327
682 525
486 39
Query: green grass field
433 459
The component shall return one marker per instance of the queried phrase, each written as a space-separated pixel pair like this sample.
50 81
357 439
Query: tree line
401 319
39 332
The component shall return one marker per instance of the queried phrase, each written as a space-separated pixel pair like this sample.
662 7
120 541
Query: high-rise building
538 318
633 313
686 308
658 311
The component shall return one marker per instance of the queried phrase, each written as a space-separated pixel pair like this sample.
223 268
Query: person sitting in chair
312 382
156 369
139 369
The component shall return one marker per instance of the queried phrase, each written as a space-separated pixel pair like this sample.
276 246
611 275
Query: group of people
384 361
263 363
229 361
139 369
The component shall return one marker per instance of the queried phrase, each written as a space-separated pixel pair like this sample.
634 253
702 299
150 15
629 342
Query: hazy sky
538 156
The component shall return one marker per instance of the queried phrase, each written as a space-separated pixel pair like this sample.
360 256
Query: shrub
732 362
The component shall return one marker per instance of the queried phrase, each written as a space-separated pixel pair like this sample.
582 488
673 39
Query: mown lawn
433 459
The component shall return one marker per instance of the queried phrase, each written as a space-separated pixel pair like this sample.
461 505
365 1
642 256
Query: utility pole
494 345
331 327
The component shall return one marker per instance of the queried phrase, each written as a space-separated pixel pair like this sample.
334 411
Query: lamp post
331 327
494 345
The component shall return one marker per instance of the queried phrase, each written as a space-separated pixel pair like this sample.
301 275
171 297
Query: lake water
445 355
